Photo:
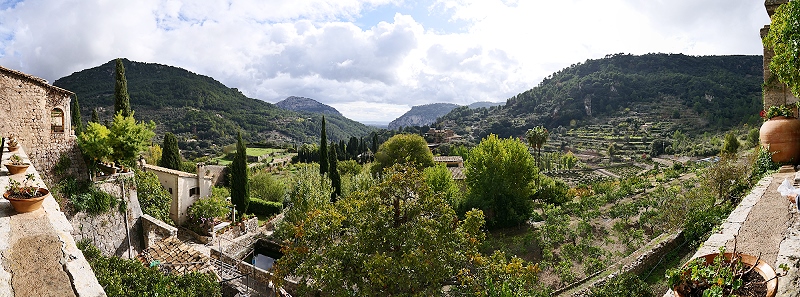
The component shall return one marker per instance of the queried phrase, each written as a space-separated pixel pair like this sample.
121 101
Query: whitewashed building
185 188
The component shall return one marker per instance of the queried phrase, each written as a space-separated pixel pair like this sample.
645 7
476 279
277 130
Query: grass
254 151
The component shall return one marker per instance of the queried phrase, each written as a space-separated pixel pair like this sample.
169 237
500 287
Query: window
194 191
57 120
170 191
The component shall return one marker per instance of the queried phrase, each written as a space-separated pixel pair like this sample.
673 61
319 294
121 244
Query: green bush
153 198
264 208
85 197
121 277
264 186
349 167
209 208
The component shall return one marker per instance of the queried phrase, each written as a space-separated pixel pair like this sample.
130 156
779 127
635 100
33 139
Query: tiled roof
457 173
448 159
170 171
34 79
176 256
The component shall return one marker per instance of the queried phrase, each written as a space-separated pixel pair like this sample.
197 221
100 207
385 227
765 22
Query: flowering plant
777 110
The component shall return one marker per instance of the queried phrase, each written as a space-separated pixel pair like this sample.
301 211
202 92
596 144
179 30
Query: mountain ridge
295 103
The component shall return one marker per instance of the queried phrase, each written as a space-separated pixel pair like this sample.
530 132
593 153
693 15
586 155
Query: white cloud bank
322 49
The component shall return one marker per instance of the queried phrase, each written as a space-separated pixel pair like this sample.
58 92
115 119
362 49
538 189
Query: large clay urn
781 136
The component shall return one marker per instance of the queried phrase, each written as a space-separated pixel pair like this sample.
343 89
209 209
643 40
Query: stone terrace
38 255
765 224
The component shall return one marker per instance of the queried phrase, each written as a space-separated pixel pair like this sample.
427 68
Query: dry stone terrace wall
26 103
109 231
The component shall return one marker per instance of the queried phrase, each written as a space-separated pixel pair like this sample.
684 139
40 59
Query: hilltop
673 92
422 115
198 107
306 104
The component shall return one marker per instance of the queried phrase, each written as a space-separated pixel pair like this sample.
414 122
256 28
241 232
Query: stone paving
38 256
764 223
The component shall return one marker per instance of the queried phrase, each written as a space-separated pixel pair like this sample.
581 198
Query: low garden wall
156 230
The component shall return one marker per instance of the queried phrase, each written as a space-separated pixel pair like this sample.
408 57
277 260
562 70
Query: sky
370 59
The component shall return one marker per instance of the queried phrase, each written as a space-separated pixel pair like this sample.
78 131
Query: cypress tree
95 118
374 143
77 122
122 101
170 156
240 189
323 150
336 180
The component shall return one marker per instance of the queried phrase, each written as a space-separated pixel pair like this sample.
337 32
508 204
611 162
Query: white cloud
321 49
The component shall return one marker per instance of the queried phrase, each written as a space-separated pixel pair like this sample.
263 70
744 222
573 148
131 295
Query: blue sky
370 59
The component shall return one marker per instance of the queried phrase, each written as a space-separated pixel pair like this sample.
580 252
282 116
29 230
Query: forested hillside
678 92
198 107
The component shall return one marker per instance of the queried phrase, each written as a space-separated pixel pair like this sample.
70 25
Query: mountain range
427 114
306 104
691 94
200 110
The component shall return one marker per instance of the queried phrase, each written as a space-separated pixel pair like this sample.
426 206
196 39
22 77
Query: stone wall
110 231
26 103
155 230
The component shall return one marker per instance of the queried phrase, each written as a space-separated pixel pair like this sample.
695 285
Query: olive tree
404 148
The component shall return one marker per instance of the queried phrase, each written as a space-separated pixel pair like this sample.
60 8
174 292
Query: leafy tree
349 167
333 174
569 160
752 137
499 173
122 101
153 154
369 242
310 191
724 177
77 122
171 156
95 118
440 181
784 39
240 187
153 198
128 138
94 142
265 186
552 190
731 145
537 137
323 150
404 148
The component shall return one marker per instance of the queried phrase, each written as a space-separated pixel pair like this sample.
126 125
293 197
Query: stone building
38 115
184 188
775 92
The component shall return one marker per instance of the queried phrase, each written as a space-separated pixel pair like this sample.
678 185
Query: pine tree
122 101
333 173
170 156
95 118
240 189
323 149
77 122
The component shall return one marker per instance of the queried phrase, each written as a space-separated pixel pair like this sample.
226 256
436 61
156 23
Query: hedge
264 208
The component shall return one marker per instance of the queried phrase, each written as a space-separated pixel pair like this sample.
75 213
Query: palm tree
537 137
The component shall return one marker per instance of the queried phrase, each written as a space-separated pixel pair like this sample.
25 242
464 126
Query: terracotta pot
27 205
762 268
13 148
17 169
781 136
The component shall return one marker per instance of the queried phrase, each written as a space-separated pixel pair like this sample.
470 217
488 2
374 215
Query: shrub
265 186
552 190
121 277
94 201
209 208
153 198
264 208
349 167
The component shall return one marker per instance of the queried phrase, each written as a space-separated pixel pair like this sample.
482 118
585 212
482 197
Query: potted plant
724 274
13 145
780 134
25 196
17 165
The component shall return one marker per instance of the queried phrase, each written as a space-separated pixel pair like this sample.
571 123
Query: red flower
763 113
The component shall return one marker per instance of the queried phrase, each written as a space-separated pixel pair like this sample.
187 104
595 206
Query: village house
38 115
184 188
